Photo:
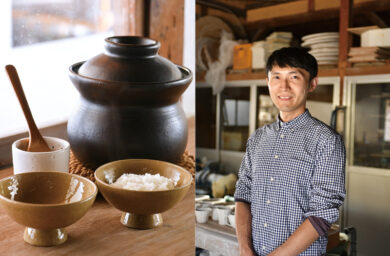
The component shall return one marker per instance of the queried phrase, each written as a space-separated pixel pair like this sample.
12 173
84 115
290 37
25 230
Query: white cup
214 213
55 160
223 213
232 220
202 214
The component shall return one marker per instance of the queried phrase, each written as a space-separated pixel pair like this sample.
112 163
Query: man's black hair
293 57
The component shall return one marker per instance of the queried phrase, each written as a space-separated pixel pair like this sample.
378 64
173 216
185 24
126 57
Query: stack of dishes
323 46
368 54
278 40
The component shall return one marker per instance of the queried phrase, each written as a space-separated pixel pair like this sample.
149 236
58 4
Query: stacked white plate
323 46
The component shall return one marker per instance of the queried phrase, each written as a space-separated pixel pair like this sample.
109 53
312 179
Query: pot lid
131 59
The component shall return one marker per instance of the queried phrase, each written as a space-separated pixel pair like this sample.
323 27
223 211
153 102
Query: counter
217 239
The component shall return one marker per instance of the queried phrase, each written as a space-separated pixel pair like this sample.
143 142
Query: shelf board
368 70
260 75
298 12
322 72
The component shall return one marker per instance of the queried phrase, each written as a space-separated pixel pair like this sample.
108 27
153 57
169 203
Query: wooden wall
161 20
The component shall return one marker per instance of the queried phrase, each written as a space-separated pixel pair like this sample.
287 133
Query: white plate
327 62
307 37
320 41
324 54
325 50
325 45
321 59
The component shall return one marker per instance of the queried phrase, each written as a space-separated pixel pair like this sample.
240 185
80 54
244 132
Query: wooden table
99 232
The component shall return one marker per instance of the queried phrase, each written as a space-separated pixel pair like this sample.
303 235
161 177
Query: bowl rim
103 183
50 205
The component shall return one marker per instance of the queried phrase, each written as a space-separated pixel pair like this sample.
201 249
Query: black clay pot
129 104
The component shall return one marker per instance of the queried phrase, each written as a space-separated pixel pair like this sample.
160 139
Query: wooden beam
311 5
166 25
280 10
296 8
303 18
375 19
345 40
336 4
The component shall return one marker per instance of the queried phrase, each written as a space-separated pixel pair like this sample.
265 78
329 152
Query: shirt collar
295 123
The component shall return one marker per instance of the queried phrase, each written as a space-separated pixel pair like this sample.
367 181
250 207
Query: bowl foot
40 237
139 221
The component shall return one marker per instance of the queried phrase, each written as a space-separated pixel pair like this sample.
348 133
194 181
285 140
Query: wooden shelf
322 72
301 11
368 70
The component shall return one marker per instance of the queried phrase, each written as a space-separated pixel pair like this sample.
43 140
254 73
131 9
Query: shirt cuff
237 199
320 225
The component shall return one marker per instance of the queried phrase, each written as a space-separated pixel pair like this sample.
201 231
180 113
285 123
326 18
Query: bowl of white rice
142 189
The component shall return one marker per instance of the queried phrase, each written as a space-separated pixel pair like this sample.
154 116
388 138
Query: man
291 180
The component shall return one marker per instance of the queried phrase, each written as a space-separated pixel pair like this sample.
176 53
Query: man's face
288 88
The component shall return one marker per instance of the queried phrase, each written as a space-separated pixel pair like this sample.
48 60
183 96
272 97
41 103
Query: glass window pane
372 126
267 113
44 38
42 20
205 118
319 102
234 118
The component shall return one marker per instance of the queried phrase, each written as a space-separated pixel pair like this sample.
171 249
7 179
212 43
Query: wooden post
129 17
166 25
344 41
311 5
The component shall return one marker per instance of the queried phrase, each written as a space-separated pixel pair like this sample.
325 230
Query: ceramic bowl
141 209
45 203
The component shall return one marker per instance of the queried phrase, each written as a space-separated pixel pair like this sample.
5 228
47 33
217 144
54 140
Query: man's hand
245 251
299 241
244 228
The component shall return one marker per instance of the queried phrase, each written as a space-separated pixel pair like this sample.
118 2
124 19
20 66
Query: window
235 118
371 141
42 39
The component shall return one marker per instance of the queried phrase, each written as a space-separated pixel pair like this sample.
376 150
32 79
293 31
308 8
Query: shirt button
263 247
265 225
272 179
276 156
268 201
282 136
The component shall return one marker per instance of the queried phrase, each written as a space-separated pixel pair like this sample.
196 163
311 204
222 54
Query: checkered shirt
290 172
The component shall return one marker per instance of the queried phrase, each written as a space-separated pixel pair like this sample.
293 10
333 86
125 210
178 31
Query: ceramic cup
202 214
214 213
55 160
232 220
223 213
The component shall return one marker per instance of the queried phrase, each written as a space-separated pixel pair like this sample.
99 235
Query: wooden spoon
36 142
